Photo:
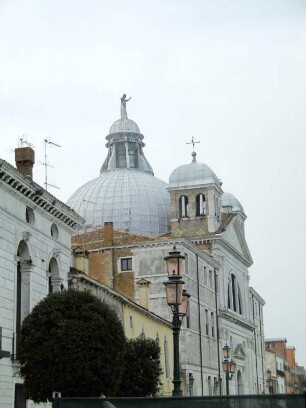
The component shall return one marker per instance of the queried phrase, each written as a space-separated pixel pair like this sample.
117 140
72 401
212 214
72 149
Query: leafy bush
141 374
72 343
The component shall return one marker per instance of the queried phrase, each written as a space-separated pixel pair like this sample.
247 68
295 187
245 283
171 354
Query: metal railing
242 401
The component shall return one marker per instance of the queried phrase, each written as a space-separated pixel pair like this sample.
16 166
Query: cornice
257 296
219 238
233 317
14 181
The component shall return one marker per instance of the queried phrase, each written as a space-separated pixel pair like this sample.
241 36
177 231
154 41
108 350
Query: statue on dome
123 106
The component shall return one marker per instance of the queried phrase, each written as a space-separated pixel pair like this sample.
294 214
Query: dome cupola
126 192
192 174
229 201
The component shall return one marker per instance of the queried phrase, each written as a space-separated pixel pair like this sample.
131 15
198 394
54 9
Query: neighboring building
136 319
259 367
276 364
289 376
207 226
35 254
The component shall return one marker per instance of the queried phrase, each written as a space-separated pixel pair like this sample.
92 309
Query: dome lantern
125 144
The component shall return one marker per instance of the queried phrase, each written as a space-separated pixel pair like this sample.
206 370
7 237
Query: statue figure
123 106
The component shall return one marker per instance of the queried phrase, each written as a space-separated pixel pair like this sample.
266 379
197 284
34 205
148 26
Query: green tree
141 374
73 343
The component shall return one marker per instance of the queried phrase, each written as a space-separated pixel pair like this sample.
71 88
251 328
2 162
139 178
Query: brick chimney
25 159
144 293
108 234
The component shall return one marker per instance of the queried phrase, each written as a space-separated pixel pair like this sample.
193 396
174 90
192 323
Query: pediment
234 235
239 352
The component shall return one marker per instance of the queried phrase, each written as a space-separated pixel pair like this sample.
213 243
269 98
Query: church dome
124 125
126 192
133 200
229 200
192 174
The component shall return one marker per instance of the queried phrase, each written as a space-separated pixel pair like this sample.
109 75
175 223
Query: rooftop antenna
48 165
193 151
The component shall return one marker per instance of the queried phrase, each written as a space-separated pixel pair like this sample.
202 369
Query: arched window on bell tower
200 205
183 206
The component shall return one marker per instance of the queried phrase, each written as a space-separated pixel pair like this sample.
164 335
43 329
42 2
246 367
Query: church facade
207 226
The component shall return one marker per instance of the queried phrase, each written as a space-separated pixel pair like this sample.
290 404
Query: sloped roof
96 239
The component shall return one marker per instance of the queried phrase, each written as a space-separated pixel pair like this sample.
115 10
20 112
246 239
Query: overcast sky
230 73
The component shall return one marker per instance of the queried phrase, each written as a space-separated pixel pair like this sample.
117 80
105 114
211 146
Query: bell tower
195 200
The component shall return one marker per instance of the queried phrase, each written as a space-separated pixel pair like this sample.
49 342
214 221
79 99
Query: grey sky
229 73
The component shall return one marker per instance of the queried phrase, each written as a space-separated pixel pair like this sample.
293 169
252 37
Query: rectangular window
212 324
188 317
121 154
206 323
211 284
216 283
205 276
209 385
126 264
19 400
132 148
131 323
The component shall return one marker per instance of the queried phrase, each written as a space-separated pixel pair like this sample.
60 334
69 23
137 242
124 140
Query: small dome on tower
229 200
192 174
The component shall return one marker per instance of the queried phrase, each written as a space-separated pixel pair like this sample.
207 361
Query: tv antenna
48 165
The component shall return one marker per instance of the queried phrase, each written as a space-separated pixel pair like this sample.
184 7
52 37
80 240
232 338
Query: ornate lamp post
178 300
269 381
229 367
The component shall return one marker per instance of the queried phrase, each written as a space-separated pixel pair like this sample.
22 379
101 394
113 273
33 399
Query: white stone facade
199 344
35 254
214 250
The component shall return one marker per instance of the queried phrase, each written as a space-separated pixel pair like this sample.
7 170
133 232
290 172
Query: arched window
24 266
183 206
239 383
234 300
53 276
200 205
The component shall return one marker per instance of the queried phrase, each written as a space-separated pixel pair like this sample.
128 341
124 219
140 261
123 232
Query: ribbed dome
193 174
133 200
229 200
124 125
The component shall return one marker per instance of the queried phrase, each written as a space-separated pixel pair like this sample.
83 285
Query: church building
133 220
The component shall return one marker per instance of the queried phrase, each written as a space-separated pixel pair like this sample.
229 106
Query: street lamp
229 367
269 381
178 300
